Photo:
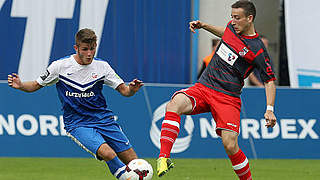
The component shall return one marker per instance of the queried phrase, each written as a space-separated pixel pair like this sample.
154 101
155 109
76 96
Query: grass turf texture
185 169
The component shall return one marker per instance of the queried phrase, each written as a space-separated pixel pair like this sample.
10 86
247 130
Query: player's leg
127 155
186 101
116 166
238 159
119 143
92 141
226 113
178 105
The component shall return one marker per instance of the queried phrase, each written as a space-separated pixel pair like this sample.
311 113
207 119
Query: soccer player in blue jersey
79 79
219 87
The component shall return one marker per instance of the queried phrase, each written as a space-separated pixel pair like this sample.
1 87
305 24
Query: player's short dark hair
247 6
85 36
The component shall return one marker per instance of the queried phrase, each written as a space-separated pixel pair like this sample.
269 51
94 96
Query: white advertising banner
303 42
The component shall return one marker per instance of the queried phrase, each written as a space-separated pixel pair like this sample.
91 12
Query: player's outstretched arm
131 88
29 86
216 30
254 80
271 119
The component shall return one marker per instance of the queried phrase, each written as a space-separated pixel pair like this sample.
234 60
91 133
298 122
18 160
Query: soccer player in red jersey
219 87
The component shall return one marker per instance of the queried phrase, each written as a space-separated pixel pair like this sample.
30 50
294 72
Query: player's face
240 21
85 52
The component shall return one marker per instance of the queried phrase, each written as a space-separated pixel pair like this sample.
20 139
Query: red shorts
225 109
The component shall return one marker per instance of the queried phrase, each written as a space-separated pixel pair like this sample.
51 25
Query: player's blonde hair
86 36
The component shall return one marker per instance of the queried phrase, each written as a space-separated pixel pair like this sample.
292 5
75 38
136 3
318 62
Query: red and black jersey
235 58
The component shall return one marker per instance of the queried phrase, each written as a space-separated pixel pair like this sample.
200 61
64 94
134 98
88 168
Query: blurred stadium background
150 39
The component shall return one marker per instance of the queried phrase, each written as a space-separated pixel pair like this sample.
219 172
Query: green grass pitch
185 169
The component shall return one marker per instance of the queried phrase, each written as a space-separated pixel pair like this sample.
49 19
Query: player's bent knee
180 104
230 147
172 106
105 152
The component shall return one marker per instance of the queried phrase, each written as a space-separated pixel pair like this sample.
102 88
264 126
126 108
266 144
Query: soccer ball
139 169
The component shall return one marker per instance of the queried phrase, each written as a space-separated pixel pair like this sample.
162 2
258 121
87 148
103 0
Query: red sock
169 133
240 165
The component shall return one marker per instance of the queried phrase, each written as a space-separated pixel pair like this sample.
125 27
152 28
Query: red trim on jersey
247 71
272 79
269 68
250 56
225 81
251 37
233 40
259 52
218 69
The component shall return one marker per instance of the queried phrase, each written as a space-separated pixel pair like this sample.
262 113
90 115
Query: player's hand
135 85
270 119
14 81
193 25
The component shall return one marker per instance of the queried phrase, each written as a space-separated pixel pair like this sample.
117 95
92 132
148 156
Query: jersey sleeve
263 63
50 76
112 79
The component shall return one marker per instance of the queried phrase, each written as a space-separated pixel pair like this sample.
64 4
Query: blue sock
116 167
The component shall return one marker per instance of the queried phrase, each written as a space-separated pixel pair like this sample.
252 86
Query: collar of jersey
250 37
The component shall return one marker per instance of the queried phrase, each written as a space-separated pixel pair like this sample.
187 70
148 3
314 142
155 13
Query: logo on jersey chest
243 52
94 75
226 54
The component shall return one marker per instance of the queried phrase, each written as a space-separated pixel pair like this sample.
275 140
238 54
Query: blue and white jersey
80 90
